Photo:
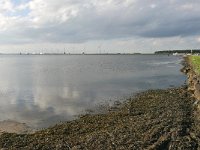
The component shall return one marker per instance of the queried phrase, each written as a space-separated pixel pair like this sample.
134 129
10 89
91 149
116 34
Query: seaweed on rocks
155 119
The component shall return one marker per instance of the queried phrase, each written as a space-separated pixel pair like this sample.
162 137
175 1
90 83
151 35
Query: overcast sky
98 25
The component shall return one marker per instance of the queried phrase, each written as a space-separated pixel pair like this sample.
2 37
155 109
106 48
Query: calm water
43 90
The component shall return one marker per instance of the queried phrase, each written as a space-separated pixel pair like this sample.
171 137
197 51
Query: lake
42 90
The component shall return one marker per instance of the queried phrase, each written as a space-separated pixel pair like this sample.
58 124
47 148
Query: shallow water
41 90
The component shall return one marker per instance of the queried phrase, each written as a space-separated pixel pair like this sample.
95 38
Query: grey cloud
151 23
166 19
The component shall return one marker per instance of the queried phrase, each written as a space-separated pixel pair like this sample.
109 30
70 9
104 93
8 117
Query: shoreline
12 126
154 119
193 81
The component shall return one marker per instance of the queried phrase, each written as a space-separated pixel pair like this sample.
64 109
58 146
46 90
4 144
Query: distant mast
99 48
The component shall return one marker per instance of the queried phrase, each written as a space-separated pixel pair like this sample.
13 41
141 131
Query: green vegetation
195 60
188 51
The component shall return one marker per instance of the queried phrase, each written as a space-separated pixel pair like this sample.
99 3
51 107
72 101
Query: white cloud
22 6
5 6
198 39
84 21
187 7
153 6
45 12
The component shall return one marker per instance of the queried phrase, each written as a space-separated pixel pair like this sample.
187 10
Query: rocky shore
155 119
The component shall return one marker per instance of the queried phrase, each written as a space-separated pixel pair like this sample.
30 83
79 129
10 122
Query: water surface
41 90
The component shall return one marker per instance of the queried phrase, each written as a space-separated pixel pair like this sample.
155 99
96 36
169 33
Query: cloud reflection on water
43 90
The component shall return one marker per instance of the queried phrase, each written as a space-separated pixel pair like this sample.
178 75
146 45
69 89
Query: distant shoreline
77 54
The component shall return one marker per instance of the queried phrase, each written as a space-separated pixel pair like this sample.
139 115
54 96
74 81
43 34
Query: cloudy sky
98 25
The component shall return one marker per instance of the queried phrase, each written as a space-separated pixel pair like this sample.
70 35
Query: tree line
193 51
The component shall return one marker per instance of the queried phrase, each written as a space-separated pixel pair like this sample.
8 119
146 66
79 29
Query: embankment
193 81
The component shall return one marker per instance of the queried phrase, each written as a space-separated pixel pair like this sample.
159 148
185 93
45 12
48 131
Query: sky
98 26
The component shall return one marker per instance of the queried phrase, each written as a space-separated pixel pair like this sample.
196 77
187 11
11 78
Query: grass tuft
195 60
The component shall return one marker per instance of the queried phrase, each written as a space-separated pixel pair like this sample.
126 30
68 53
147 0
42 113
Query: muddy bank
155 119
11 126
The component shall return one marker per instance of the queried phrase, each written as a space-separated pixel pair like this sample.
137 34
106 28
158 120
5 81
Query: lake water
41 90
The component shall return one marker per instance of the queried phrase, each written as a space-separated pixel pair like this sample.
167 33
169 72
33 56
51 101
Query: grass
195 60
